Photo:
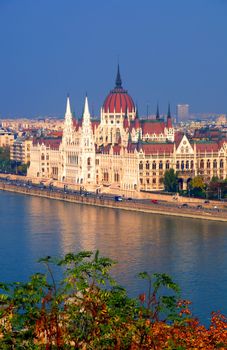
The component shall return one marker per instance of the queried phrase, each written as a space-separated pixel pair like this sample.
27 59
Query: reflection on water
194 252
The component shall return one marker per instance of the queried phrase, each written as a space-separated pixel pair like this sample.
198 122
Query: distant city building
182 112
6 138
20 150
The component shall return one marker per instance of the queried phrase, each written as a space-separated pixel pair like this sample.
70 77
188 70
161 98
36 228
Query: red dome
118 99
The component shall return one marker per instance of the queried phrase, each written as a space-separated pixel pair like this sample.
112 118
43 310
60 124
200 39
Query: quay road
206 210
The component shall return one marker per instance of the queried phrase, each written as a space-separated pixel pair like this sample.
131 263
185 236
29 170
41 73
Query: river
192 251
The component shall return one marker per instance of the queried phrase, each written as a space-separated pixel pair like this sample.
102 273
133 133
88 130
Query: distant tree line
197 187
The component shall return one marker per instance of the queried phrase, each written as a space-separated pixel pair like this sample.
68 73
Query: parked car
118 199
154 201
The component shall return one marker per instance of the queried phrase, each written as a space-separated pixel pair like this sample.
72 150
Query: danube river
192 251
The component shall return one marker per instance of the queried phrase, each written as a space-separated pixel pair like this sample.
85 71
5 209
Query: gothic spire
68 113
169 113
157 113
86 113
68 107
118 81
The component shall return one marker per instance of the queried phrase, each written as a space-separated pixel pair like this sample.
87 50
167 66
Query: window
167 164
89 161
182 165
187 164
178 165
116 177
154 165
160 165
208 164
141 166
215 164
154 181
147 165
221 164
192 164
106 176
202 164
42 157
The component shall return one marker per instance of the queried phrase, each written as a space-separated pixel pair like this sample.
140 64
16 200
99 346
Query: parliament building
123 151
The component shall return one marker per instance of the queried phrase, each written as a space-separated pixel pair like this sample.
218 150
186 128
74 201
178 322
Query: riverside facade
122 151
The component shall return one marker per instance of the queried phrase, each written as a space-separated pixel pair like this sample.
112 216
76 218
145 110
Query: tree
170 181
198 186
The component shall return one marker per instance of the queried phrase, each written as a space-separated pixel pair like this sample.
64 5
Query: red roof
161 148
94 124
153 127
207 147
118 101
52 143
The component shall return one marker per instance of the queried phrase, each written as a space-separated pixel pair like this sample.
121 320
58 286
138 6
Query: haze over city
169 51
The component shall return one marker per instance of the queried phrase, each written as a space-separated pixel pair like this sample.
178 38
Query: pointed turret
169 113
86 113
125 122
169 119
118 82
157 113
137 122
68 113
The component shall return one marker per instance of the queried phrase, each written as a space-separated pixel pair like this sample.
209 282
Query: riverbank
205 214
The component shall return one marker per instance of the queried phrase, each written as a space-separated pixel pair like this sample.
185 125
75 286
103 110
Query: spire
126 122
68 108
157 113
137 112
68 113
86 113
169 113
118 81
169 119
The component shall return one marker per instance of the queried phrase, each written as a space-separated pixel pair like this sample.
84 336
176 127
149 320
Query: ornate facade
123 151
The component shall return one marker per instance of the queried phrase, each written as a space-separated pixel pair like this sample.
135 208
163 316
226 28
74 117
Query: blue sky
169 51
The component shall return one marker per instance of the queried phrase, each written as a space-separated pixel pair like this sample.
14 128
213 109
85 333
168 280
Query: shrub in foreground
87 309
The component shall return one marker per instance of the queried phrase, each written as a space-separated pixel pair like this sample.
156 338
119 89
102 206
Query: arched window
141 165
154 165
178 165
106 176
160 165
116 177
208 163
167 164
192 164
182 165
89 161
202 164
147 165
187 164
221 164
42 157
215 164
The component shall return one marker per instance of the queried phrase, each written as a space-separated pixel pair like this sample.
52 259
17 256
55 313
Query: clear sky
169 51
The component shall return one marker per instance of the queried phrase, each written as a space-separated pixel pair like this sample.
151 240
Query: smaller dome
118 100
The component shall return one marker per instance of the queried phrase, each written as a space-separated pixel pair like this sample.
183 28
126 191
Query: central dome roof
118 100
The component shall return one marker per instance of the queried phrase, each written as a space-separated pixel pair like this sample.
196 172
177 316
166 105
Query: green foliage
85 309
170 181
10 166
198 187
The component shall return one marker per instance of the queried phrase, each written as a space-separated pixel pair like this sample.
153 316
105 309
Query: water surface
193 252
